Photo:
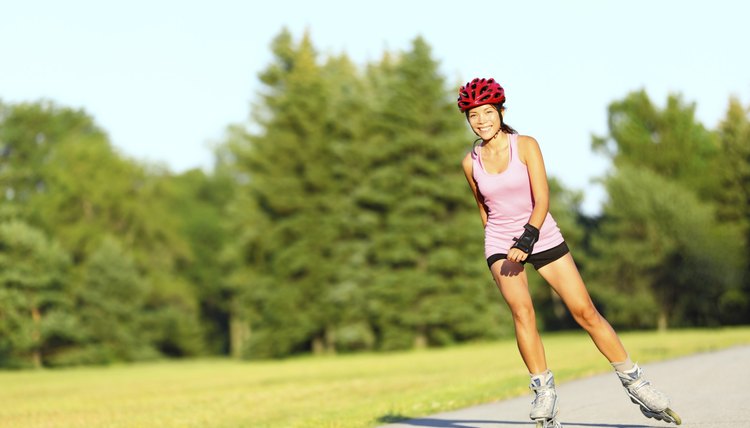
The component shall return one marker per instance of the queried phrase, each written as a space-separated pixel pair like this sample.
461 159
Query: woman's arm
468 168
530 154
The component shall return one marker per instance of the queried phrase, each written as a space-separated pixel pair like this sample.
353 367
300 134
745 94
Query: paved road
709 390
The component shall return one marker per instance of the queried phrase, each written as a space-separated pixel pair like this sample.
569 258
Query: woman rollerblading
653 403
544 406
506 174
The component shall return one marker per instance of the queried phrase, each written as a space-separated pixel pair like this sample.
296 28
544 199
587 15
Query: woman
506 174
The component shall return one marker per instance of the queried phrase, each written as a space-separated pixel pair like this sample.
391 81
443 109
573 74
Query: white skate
653 403
544 407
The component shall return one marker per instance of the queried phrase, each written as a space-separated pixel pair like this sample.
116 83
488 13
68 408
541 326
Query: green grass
344 391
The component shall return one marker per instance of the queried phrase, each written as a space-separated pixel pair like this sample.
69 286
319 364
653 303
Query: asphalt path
707 390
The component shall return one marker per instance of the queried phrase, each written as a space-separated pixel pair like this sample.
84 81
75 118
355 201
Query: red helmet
479 92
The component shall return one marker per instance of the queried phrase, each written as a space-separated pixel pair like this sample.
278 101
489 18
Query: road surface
708 390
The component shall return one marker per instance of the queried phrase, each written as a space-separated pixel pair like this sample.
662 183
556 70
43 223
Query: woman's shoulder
527 146
471 156
526 140
527 143
467 160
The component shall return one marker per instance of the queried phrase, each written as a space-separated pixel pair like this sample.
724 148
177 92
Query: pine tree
293 194
348 326
428 284
199 201
35 304
110 301
733 199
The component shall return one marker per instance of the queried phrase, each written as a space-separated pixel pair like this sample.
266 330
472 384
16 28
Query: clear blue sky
165 78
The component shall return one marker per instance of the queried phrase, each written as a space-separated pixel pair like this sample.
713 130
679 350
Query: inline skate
544 407
653 403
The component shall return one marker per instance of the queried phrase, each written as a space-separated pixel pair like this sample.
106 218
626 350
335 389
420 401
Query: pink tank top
509 201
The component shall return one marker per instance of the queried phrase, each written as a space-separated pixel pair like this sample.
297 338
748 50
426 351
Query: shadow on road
448 423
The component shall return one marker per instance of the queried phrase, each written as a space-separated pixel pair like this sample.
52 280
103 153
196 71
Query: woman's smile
485 121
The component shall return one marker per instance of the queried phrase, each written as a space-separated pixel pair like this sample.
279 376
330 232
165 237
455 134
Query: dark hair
503 126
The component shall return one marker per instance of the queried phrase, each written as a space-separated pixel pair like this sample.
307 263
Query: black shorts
538 260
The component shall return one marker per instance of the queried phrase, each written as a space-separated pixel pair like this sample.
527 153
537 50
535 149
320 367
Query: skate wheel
675 417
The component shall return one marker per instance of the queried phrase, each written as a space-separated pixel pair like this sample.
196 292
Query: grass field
343 391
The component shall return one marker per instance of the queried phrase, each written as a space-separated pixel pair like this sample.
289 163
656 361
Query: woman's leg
563 276
513 284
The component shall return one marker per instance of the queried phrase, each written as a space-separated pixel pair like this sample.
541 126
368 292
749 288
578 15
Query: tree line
337 219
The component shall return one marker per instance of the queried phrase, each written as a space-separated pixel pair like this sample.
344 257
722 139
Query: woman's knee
587 316
524 315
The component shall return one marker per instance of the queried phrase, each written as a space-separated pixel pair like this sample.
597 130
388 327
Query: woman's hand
516 255
524 244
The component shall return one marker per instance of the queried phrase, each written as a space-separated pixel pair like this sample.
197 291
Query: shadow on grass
460 423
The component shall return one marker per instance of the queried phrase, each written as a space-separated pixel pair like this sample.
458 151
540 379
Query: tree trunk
420 340
330 341
662 322
318 346
239 334
36 336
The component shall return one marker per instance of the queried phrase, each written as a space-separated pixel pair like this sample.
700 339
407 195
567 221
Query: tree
198 200
28 133
669 141
330 251
655 224
110 301
35 307
428 285
733 198
292 196
67 180
661 256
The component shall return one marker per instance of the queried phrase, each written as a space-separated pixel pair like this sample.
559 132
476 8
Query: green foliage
665 256
428 285
338 220
668 141
351 216
296 191
28 133
734 138
64 178
199 201
671 246
35 306
733 199
111 297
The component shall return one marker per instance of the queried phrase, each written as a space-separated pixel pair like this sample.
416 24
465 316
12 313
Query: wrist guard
527 240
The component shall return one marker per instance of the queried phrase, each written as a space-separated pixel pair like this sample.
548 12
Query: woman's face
484 121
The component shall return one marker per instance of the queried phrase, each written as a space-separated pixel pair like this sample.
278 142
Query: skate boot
653 403
544 406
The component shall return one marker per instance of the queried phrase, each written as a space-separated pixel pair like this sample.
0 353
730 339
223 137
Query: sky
165 79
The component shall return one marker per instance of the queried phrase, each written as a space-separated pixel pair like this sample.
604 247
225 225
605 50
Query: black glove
527 240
